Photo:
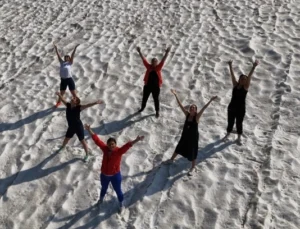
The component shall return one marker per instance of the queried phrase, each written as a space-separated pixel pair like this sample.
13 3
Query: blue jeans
116 183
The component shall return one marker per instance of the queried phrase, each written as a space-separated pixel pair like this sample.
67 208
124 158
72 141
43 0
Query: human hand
213 98
139 138
173 92
138 49
87 126
57 93
99 102
168 49
230 62
255 63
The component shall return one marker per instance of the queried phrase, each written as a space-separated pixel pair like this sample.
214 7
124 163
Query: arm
160 65
73 54
61 98
179 103
96 139
145 62
233 79
90 105
129 144
250 74
58 56
203 108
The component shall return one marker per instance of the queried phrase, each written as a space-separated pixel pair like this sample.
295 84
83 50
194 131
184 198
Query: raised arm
145 62
203 108
179 103
164 58
126 147
90 104
58 56
61 98
250 74
96 139
233 79
73 54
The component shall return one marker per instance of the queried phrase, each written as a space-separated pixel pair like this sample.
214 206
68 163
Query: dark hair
111 140
67 56
242 76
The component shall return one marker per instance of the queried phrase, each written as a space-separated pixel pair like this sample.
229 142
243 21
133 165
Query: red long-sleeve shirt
111 159
157 69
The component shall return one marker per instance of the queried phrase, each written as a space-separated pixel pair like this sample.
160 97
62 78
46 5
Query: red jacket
111 159
157 69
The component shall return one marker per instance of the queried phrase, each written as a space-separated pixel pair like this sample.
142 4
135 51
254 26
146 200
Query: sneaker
157 115
57 104
191 172
100 201
86 158
121 208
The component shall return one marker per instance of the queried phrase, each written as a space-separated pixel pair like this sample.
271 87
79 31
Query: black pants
155 94
238 115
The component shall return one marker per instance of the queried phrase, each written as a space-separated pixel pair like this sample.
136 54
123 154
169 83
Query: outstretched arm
58 56
179 103
90 104
73 54
96 139
164 58
61 98
233 79
250 74
126 147
145 62
203 108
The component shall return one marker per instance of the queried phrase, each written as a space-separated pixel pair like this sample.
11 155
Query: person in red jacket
152 80
110 169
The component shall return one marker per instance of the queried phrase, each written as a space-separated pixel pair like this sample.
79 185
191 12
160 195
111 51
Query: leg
116 183
231 118
239 124
62 94
65 142
104 180
171 160
155 95
70 133
71 85
80 135
146 94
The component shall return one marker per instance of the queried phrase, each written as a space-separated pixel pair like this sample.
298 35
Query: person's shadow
33 173
159 178
29 119
118 125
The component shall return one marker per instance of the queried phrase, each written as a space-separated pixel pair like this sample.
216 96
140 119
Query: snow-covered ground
256 185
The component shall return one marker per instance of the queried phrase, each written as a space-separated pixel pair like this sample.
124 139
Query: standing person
110 169
188 143
237 106
152 80
75 125
66 74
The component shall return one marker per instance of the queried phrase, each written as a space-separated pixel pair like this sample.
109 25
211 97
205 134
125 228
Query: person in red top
152 80
110 169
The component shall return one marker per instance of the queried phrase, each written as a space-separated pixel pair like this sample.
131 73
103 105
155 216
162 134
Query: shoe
86 158
121 208
191 172
100 201
157 115
57 104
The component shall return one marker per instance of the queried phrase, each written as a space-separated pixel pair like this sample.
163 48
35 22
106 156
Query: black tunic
188 143
238 99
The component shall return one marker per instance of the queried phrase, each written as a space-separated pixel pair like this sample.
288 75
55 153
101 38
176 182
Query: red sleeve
160 65
146 64
125 147
98 142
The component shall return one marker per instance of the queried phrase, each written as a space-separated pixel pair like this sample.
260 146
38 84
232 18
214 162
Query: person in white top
66 74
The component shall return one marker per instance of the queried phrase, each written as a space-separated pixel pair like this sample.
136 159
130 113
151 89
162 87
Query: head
242 80
193 109
111 143
154 62
67 58
75 101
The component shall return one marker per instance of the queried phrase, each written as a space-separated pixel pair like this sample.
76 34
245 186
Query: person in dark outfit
237 106
188 143
75 125
152 79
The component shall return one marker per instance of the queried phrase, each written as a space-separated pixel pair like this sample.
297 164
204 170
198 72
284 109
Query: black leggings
237 115
155 94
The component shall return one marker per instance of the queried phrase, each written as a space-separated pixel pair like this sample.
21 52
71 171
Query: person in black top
188 143
237 106
75 125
